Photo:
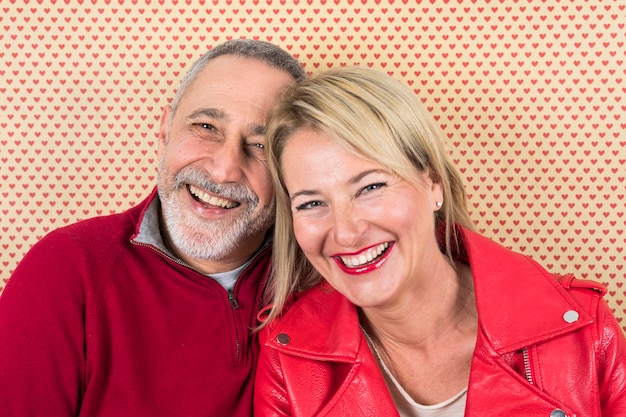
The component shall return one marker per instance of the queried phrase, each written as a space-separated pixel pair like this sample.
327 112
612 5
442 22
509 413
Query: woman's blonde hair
375 117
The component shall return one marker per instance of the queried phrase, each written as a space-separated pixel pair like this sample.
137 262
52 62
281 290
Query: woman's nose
348 226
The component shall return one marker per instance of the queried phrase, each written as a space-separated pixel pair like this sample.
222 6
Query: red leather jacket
545 348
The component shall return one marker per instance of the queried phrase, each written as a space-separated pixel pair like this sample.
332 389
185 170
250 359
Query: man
148 312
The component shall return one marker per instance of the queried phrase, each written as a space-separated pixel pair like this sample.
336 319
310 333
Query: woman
386 303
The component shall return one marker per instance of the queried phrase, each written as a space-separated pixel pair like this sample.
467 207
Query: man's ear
163 130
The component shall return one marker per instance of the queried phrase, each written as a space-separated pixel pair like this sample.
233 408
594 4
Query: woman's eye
308 205
372 187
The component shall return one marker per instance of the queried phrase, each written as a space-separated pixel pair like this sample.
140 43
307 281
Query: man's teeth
365 257
211 199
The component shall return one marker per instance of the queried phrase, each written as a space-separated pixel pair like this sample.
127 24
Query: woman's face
367 231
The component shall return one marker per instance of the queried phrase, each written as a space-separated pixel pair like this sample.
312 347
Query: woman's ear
437 193
435 188
433 175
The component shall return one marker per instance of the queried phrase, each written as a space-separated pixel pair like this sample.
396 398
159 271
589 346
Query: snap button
570 316
283 339
557 413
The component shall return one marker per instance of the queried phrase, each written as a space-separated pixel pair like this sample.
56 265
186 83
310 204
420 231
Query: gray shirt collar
150 234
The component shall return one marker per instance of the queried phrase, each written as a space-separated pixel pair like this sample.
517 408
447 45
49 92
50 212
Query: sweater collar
518 302
148 230
148 233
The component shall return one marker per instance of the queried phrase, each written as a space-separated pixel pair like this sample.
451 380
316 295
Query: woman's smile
366 260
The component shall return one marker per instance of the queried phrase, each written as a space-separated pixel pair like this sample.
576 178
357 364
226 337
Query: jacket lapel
326 327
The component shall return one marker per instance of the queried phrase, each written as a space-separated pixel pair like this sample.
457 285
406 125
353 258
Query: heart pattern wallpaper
530 96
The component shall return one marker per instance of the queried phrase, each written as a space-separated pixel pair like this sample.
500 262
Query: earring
439 204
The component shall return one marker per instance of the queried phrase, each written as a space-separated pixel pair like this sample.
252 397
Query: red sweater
93 323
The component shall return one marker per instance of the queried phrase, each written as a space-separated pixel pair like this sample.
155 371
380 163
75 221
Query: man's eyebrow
212 113
217 114
258 130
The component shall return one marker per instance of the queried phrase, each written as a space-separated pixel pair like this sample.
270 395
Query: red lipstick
364 269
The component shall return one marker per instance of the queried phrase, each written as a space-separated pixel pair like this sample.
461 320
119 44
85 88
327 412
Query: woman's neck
441 303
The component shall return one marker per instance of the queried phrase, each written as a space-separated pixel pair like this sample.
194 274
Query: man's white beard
214 239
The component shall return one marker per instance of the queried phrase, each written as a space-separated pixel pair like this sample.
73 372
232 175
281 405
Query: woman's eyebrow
364 174
302 193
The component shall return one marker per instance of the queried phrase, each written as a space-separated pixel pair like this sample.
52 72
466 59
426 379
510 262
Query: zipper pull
233 301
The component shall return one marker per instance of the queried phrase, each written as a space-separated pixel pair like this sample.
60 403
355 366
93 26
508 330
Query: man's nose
225 164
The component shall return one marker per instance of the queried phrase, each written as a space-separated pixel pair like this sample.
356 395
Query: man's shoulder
89 238
81 251
96 229
102 227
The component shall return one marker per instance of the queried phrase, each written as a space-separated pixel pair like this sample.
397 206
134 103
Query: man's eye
207 126
308 205
204 126
256 151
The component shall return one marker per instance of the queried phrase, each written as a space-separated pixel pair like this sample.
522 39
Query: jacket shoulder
589 295
571 283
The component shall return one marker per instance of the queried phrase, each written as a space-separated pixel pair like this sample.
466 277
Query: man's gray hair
266 52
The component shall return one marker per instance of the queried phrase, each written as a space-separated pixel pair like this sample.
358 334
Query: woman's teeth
365 257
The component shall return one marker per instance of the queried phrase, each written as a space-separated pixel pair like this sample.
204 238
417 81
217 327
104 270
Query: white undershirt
407 407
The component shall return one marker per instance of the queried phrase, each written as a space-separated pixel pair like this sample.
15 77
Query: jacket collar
518 302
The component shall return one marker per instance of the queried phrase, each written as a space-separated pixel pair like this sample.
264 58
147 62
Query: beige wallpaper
530 94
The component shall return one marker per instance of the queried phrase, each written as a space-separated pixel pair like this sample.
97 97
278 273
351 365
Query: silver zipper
234 304
527 369
233 301
231 294
156 249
